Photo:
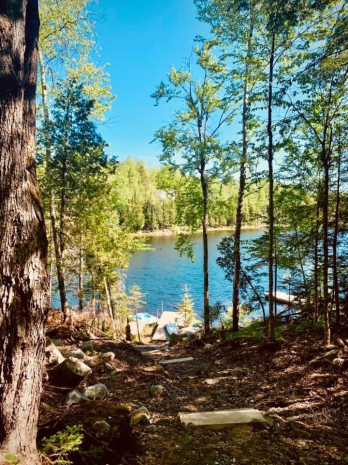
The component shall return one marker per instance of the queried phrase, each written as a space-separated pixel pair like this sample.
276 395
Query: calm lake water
161 274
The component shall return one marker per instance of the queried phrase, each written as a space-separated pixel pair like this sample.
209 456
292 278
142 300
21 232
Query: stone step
176 360
219 419
148 347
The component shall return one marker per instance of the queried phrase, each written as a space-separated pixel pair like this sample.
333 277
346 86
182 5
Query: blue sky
141 40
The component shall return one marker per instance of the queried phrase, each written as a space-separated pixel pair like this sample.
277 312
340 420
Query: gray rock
341 363
208 347
101 428
98 391
141 416
325 359
52 353
87 346
157 391
75 397
109 356
332 355
76 353
319 362
70 373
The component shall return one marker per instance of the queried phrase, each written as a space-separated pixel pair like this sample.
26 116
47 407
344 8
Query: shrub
58 447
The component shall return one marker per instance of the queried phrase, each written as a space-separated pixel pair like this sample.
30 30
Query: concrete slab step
219 419
176 360
146 347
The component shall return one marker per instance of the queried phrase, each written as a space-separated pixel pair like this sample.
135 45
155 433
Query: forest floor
307 408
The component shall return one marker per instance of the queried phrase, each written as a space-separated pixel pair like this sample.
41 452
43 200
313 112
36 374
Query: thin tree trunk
53 218
242 182
327 335
111 311
300 258
271 192
93 296
275 278
24 283
335 238
205 252
248 280
316 259
81 275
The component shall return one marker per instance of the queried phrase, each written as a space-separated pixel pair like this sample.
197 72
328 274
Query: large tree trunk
242 182
271 192
23 245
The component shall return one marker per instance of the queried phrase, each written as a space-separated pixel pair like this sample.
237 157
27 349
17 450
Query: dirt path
310 406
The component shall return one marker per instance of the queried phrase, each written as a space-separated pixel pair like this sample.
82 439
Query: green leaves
60 445
185 247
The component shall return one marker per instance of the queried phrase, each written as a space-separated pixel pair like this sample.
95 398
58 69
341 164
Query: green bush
58 447
254 331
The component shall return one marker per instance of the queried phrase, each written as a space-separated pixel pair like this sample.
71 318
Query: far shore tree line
276 69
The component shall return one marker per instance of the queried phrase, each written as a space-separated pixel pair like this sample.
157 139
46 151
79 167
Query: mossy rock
176 339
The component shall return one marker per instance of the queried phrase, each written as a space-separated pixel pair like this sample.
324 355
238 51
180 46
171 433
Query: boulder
330 356
141 416
75 397
102 428
341 363
70 373
98 391
157 391
87 346
325 359
76 353
52 353
109 356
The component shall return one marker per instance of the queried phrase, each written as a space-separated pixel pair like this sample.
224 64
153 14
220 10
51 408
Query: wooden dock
283 298
161 333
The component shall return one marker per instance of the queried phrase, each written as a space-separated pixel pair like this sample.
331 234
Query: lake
161 274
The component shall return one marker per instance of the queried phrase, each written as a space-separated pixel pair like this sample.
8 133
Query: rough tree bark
23 245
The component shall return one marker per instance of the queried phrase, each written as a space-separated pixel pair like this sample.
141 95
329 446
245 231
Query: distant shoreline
170 232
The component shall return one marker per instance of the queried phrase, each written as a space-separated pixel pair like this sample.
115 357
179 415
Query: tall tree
74 171
23 245
67 38
193 134
235 23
